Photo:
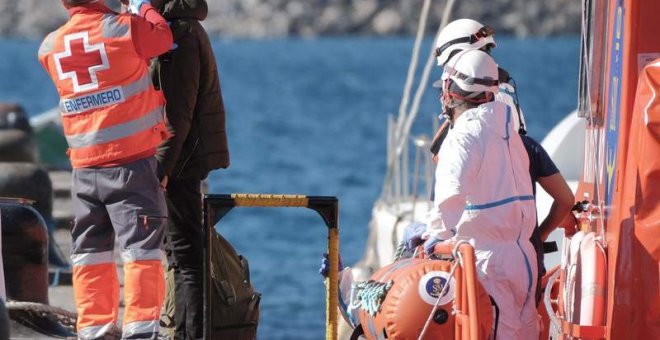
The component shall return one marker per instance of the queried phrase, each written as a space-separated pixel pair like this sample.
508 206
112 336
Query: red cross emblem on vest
80 61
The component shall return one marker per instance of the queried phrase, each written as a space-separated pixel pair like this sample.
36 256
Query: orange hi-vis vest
110 109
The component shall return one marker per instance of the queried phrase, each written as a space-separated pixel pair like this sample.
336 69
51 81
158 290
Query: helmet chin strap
448 113
448 94
449 103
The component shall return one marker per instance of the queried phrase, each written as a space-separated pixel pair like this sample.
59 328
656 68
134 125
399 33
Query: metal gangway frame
216 206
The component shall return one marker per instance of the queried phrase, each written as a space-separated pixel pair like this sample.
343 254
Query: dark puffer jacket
188 76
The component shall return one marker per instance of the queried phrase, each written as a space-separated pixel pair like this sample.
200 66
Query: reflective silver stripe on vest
112 28
131 255
116 132
105 97
93 258
95 332
47 45
91 101
139 327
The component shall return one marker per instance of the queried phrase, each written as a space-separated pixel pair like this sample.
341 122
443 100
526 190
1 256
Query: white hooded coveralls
483 194
507 95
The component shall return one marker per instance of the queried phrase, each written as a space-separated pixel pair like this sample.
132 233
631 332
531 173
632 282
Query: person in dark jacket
188 76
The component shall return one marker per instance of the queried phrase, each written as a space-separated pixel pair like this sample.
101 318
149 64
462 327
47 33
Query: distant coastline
308 18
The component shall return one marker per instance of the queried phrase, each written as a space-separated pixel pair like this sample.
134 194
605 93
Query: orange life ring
583 285
554 294
570 276
593 273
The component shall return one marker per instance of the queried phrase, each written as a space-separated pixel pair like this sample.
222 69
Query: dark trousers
184 253
537 242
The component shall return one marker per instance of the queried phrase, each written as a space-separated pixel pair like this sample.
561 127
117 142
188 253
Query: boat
604 284
618 297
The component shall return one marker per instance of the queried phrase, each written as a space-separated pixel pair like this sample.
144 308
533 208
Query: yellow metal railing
217 206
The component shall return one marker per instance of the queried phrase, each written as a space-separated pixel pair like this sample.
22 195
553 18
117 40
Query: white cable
410 117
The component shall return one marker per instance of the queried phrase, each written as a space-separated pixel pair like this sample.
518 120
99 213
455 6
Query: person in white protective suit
460 35
483 191
468 34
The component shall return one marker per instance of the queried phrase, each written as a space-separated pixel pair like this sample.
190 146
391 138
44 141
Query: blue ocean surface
309 117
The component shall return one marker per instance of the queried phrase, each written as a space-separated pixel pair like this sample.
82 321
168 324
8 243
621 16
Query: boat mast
396 178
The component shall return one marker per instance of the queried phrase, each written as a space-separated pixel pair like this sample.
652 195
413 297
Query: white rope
371 294
586 56
412 67
555 325
403 106
405 119
400 251
410 117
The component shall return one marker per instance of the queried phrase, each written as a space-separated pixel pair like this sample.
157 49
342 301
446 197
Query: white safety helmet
473 71
462 34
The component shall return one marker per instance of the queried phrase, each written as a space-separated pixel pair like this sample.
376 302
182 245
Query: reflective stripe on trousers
143 305
96 290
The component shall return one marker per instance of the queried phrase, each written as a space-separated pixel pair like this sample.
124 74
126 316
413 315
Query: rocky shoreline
308 18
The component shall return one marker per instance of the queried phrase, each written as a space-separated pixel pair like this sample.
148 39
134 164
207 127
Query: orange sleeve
150 33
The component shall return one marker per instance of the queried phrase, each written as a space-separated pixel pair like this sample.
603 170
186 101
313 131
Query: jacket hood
190 9
495 116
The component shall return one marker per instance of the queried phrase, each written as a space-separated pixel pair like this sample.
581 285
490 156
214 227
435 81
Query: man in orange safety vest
113 120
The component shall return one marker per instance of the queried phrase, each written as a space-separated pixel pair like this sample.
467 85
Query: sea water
310 117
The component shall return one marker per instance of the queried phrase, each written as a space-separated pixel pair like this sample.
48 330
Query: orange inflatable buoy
411 288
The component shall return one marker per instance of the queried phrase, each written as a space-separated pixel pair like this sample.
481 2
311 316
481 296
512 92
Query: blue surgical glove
412 235
134 5
429 245
325 265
